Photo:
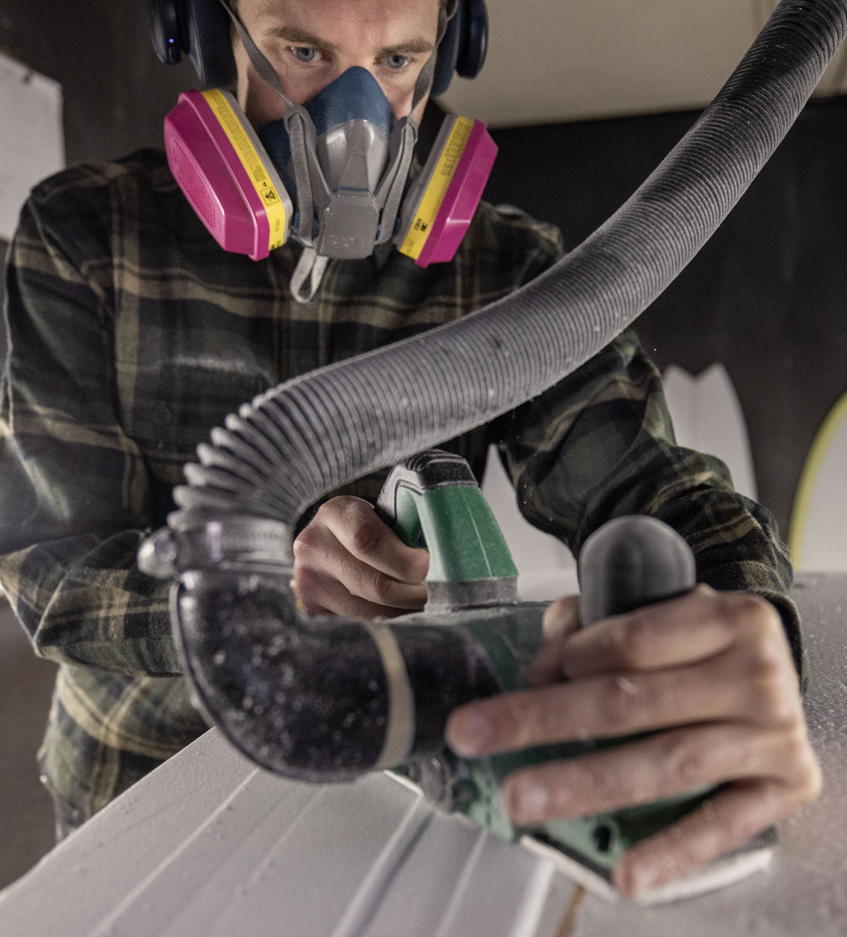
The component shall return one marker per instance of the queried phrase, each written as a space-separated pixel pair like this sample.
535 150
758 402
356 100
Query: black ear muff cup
474 42
208 30
462 49
166 31
200 28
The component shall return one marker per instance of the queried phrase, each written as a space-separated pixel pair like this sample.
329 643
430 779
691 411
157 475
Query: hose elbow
318 699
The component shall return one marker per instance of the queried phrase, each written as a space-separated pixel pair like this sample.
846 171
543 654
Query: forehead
378 22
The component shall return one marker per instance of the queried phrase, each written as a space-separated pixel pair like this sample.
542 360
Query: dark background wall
767 296
116 91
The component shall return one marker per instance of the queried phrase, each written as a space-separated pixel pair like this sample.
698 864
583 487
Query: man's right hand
348 562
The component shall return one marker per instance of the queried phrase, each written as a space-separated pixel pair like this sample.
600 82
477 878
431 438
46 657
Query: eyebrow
413 46
300 37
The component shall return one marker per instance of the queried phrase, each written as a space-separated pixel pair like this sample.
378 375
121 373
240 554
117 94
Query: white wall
552 60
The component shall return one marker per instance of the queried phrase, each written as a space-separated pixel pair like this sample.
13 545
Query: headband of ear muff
201 29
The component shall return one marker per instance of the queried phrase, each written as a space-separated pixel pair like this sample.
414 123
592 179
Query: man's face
310 43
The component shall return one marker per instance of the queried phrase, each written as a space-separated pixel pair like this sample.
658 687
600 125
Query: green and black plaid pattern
132 335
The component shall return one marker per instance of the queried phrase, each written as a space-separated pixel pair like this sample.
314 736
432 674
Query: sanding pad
734 866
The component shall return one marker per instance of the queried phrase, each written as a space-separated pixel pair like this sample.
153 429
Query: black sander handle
629 562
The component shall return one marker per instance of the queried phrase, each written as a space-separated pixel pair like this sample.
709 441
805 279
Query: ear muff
474 42
201 29
462 50
165 31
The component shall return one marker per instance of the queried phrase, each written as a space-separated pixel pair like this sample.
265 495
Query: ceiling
559 60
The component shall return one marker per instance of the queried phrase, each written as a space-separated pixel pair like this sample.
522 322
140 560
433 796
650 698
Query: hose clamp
233 543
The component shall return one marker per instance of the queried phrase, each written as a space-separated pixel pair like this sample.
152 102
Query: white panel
550 61
209 846
707 417
818 535
546 567
31 139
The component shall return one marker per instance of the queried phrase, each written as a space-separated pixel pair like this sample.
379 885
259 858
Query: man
132 335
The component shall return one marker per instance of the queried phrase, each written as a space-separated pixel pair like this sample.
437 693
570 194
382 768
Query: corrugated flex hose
330 699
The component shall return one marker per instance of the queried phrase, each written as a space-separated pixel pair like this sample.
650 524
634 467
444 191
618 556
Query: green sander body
433 500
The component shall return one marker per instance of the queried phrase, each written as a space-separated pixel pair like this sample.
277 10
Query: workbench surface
209 846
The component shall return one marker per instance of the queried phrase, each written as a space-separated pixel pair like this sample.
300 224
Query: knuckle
327 513
757 617
338 512
684 764
308 551
812 781
773 689
307 541
635 641
380 584
770 676
773 701
366 535
799 754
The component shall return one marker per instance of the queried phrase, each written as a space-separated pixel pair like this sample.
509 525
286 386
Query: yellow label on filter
437 187
252 163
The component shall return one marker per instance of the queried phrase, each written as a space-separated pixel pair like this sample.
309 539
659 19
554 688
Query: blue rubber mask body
349 161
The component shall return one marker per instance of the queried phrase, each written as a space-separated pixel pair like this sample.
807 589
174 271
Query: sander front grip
629 562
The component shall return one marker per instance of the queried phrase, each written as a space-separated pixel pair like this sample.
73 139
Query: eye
304 53
397 61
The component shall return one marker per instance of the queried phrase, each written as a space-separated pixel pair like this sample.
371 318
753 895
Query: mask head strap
257 59
294 123
424 82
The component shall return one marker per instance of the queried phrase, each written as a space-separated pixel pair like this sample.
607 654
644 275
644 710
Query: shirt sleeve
600 444
75 493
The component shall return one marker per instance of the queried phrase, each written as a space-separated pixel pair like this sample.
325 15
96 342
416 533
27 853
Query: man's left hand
711 673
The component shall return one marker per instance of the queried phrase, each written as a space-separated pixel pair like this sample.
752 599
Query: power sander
433 500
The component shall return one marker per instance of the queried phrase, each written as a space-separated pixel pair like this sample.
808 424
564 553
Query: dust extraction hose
328 700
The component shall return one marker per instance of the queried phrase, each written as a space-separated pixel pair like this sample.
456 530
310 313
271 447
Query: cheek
400 99
302 88
419 109
263 104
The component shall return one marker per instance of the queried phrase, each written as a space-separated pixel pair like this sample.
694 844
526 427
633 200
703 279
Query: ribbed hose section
318 432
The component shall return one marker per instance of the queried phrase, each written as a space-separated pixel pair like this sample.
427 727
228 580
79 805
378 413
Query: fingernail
532 802
634 880
469 733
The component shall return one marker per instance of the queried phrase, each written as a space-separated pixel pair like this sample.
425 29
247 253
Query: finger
355 590
733 686
323 595
357 528
680 631
561 618
320 559
650 769
724 821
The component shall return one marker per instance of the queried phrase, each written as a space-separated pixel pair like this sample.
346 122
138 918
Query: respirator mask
333 173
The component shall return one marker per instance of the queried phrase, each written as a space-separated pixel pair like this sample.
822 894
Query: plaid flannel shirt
131 335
